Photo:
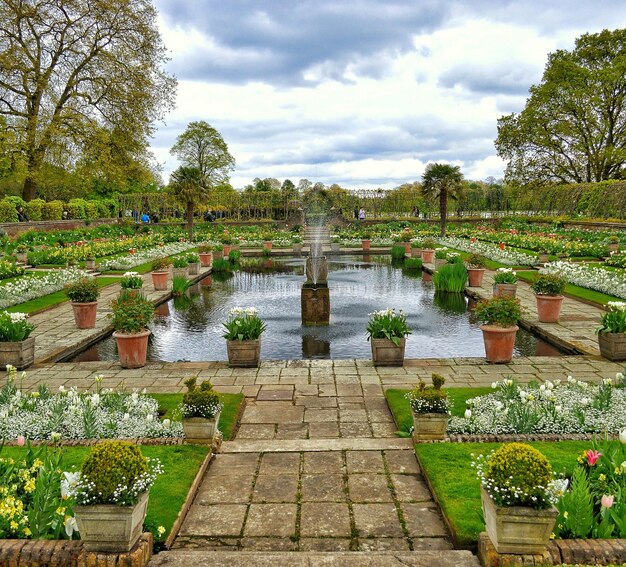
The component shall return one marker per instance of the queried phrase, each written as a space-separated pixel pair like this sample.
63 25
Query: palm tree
191 187
442 181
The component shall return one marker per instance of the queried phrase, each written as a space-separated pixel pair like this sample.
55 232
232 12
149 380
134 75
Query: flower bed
507 257
9 269
607 281
617 260
139 258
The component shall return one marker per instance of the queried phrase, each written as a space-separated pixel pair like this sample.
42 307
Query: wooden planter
22 257
386 353
429 426
499 343
428 256
179 273
85 314
416 252
612 345
159 281
544 258
218 254
200 430
475 276
193 268
20 354
549 308
132 348
90 264
517 529
366 244
244 354
205 259
111 528
504 290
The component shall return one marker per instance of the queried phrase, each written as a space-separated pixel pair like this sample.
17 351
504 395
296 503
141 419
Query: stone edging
519 437
559 551
66 553
91 442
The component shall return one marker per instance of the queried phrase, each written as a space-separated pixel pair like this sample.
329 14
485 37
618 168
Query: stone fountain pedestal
315 304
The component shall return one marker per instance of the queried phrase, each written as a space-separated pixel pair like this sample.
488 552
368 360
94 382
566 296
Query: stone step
316 445
206 558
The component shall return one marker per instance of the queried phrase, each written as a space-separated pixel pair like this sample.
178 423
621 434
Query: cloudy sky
363 93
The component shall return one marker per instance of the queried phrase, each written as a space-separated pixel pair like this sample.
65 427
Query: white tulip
622 436
468 413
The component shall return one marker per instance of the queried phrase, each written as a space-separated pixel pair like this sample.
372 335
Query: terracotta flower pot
206 259
407 247
428 256
200 430
85 314
267 245
132 348
20 354
227 249
366 244
612 345
499 342
504 290
475 276
244 354
386 353
549 308
159 281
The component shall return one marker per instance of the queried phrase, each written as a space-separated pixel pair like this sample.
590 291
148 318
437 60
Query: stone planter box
504 290
193 268
179 272
517 529
20 354
416 252
429 426
111 528
440 262
200 430
218 254
22 257
297 248
90 264
244 354
544 258
612 345
386 353
335 247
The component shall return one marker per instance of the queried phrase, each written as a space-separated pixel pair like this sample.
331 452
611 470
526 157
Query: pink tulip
21 440
607 500
592 457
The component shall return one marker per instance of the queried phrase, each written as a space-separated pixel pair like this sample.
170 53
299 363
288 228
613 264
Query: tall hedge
52 210
91 210
34 209
8 212
76 209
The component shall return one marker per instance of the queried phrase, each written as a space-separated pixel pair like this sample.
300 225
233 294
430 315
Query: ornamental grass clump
505 276
398 252
115 472
451 277
548 284
221 265
180 285
131 280
614 320
430 399
413 263
14 327
243 324
516 474
499 311
131 312
429 244
388 324
84 290
200 402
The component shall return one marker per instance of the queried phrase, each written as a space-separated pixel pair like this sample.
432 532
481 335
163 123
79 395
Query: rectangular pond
190 328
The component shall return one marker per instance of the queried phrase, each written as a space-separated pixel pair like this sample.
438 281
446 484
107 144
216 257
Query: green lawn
228 417
180 466
401 411
448 467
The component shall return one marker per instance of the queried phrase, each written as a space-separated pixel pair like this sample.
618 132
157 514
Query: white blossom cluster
243 311
610 282
567 407
507 256
33 287
132 260
68 414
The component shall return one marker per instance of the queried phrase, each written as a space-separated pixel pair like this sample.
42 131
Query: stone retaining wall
15 228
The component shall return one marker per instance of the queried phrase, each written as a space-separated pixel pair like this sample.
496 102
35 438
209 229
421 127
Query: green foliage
442 181
131 280
179 261
505 276
499 311
243 324
180 284
549 284
91 210
76 209
476 261
614 320
517 474
450 278
429 244
131 312
205 248
398 253
234 256
14 327
575 508
413 263
33 209
8 212
220 265
84 290
192 258
52 210
200 402
387 324
162 264
111 464
430 399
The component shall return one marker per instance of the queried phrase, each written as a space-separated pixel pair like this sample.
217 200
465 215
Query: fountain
315 296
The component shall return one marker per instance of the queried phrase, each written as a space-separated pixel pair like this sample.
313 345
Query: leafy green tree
573 128
190 186
69 66
442 181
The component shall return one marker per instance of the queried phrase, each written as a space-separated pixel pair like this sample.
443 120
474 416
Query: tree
442 181
69 66
202 146
191 187
573 127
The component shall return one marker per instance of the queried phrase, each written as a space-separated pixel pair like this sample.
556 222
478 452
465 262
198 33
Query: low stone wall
15 228
64 553
559 551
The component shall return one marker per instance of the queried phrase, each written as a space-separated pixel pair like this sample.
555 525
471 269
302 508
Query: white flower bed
108 414
610 282
33 287
132 260
506 256
554 407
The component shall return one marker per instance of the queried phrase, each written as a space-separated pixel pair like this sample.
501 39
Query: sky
363 93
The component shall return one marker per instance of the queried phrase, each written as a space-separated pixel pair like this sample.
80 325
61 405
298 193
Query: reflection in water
441 327
450 302
427 278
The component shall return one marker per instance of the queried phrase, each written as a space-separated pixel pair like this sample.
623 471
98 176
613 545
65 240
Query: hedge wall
38 209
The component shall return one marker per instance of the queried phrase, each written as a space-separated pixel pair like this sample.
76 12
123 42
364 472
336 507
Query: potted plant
21 252
612 331
475 270
160 272
387 332
17 347
193 264
227 243
179 264
90 262
441 257
366 242
297 244
131 281
205 252
200 409
548 290
83 294
500 316
428 251
613 243
430 408
243 333
516 499
267 241
407 234
111 492
505 283
218 252
131 313
416 248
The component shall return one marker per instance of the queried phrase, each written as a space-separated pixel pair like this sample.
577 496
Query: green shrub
505 276
398 252
429 244
52 210
180 284
14 327
476 261
234 255
549 284
192 258
413 264
614 320
200 402
131 312
179 262
76 209
16 200
161 264
8 212
103 210
33 209
430 399
84 290
205 249
500 311
91 209
450 278
220 265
